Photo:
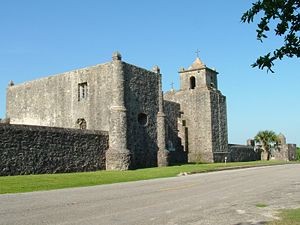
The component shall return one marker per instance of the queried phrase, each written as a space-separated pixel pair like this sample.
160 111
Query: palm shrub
266 141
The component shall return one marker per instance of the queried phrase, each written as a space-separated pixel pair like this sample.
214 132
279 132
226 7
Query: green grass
29 183
261 205
288 217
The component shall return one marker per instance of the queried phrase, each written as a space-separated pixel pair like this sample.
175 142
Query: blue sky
41 38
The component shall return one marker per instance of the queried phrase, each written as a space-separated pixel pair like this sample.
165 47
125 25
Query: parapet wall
237 153
242 153
37 150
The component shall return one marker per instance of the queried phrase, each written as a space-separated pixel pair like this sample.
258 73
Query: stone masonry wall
197 116
285 152
292 149
37 150
219 122
203 113
54 101
242 153
176 139
141 102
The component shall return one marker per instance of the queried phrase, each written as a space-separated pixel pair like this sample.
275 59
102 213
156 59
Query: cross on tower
197 52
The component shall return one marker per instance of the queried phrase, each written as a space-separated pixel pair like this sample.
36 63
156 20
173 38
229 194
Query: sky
42 38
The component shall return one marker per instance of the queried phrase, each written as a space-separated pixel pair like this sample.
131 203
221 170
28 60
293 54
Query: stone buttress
118 157
163 153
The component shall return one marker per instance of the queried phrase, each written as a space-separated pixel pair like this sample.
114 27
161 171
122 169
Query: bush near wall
298 154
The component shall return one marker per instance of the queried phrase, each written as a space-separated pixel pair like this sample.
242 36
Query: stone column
118 157
163 153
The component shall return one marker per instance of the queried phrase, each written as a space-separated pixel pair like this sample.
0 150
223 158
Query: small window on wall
81 123
192 82
143 119
82 91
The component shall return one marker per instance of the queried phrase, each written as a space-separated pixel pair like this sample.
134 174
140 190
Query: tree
266 141
285 16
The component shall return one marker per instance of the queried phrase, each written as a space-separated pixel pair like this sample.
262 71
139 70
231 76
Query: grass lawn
28 183
288 217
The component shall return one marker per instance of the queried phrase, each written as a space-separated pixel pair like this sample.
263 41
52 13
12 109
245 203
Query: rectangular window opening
82 91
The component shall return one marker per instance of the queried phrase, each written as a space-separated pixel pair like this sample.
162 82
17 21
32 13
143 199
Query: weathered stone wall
204 77
36 150
124 100
53 101
141 102
203 112
195 115
176 140
241 153
286 152
292 149
219 122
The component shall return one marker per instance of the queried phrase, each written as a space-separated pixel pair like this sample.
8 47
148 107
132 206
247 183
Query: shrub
298 154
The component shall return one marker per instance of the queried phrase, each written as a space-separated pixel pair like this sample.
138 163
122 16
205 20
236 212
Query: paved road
225 197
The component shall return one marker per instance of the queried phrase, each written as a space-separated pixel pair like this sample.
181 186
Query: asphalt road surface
225 197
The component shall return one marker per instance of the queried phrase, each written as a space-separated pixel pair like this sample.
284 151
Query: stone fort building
145 127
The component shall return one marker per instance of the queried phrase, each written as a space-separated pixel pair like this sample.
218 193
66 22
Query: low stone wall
220 156
242 153
286 152
37 150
